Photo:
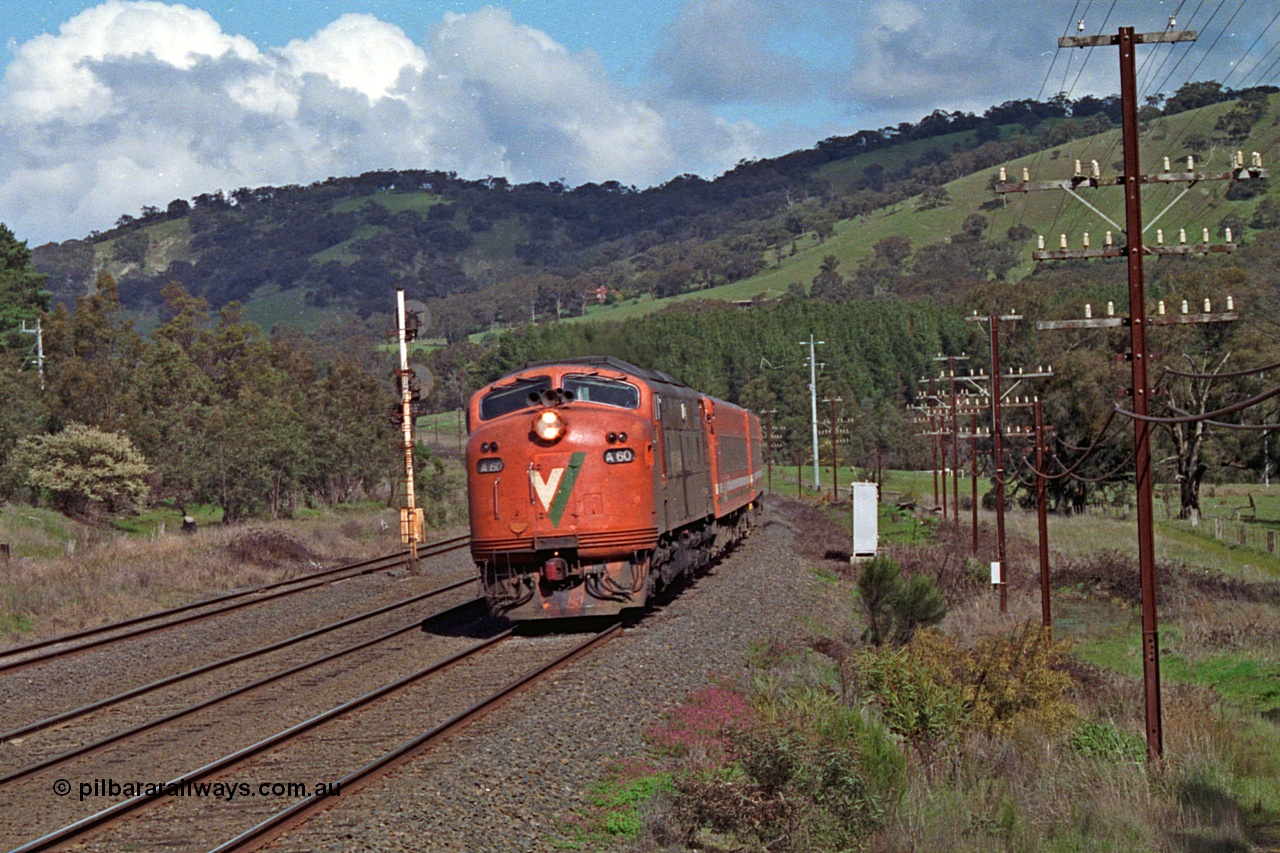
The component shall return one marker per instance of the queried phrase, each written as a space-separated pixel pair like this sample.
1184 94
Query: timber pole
1141 394
955 445
1042 524
998 458
973 476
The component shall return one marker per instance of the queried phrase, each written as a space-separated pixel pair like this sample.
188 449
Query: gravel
509 781
506 783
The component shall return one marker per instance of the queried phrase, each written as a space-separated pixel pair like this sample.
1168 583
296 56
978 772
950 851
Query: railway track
376 732
13 658
62 758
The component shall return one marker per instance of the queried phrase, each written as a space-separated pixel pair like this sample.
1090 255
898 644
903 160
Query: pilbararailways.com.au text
184 788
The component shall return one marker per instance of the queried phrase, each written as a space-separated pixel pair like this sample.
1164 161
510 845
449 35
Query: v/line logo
553 491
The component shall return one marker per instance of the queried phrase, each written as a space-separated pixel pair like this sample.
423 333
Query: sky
109 106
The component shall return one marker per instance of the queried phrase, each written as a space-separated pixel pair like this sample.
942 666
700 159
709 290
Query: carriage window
512 398
597 389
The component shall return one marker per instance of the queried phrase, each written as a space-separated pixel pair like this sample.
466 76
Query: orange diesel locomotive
592 483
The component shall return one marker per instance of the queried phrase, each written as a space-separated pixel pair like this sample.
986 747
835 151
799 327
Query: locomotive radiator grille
638 539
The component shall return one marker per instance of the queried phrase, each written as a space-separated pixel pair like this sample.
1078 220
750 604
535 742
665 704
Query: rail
228 601
120 810
299 812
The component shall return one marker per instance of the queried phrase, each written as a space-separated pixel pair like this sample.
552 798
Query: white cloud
357 52
546 113
719 50
51 75
137 103
910 60
897 15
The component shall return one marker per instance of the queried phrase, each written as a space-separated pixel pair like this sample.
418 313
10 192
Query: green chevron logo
561 499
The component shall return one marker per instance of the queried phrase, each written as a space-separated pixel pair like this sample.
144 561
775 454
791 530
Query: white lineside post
411 520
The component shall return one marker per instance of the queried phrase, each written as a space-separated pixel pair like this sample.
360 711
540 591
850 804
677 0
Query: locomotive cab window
597 389
512 398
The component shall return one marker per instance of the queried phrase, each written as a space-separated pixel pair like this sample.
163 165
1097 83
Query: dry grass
121 577
1216 789
1025 787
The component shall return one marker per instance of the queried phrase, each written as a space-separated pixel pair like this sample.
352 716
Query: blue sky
107 106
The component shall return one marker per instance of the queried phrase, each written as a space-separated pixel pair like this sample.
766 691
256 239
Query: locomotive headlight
548 426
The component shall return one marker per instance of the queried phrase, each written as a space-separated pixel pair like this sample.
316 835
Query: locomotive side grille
490 546
639 539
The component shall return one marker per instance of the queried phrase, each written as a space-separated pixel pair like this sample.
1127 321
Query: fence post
1271 541
1217 528
4 553
1244 538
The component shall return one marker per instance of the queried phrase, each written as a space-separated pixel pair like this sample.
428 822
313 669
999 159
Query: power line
1247 50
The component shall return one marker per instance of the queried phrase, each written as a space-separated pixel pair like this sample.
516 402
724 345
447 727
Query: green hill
1205 205
488 254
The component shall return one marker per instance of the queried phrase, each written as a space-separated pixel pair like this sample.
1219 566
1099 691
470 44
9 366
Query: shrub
895 609
918 698
84 468
1107 743
930 691
824 779
1016 679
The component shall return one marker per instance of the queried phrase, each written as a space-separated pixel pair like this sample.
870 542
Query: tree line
884 323
208 409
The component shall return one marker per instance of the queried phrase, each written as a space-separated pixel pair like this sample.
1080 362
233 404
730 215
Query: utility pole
1042 525
955 431
933 432
1134 251
973 434
998 457
813 404
997 396
835 464
973 463
941 415
38 331
799 474
997 453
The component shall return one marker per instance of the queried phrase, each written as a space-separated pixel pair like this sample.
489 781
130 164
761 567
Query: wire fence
1241 532
1239 526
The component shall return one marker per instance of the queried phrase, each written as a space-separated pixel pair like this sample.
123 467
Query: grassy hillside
1050 213
505 236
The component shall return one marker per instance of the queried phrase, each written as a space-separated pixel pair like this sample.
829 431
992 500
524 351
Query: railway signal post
411 518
